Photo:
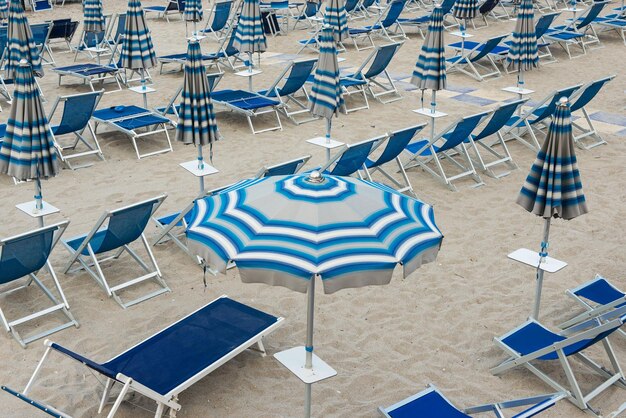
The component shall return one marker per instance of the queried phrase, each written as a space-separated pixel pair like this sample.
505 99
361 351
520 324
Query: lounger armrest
537 404
42 407
599 318
87 362
600 312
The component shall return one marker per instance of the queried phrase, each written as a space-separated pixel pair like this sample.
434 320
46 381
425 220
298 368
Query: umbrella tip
563 101
315 177
23 62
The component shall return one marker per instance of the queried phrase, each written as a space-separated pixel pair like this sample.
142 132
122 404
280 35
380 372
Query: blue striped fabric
465 9
94 18
430 69
283 230
27 151
137 49
326 98
4 10
337 18
193 11
196 122
20 44
249 35
553 186
523 54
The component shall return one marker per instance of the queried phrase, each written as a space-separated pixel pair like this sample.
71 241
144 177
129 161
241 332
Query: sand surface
385 342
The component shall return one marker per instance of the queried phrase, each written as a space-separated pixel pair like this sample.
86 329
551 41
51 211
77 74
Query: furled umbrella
27 151
193 13
93 16
337 18
249 35
465 10
523 54
4 10
326 98
430 69
196 120
20 43
137 50
293 230
553 187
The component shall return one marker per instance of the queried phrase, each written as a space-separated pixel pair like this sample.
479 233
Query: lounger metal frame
249 114
470 57
579 100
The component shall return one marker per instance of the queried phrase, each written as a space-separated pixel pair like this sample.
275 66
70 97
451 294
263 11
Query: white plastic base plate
29 209
192 167
321 141
531 258
294 358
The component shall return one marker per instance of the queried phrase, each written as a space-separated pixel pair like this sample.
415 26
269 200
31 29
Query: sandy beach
386 342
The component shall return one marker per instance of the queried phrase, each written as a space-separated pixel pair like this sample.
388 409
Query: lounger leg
37 369
120 398
578 398
105 395
159 410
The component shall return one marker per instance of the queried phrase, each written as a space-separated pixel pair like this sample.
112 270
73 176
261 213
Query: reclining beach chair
431 403
116 31
351 157
382 26
173 106
283 169
395 143
612 22
41 34
499 118
22 257
125 226
310 11
63 30
579 100
250 104
77 112
488 9
136 122
40 5
293 78
543 47
218 24
171 7
449 144
532 343
89 40
421 22
467 59
172 360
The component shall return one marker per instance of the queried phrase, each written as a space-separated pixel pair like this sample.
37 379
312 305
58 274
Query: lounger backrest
353 158
63 29
120 28
397 141
599 291
213 79
589 92
25 253
221 14
286 168
299 74
77 111
230 50
544 22
351 5
592 13
92 39
367 3
462 131
384 55
428 403
394 9
447 5
311 8
41 32
549 109
499 118
488 47
488 6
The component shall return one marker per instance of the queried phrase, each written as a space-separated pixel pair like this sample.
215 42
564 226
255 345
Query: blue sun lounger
579 100
91 73
171 7
381 27
172 360
249 104
352 157
431 403
218 24
471 53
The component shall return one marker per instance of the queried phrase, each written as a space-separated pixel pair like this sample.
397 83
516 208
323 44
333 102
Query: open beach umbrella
193 13
337 18
326 97
553 187
523 54
93 16
137 49
27 152
291 230
196 120
249 35
20 44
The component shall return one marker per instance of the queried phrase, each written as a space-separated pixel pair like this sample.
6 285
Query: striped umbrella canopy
193 11
430 69
93 16
326 97
337 18
137 48
249 35
4 10
27 152
523 54
196 120
20 44
553 187
465 9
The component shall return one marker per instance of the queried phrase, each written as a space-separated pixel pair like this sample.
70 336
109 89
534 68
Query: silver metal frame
249 114
465 60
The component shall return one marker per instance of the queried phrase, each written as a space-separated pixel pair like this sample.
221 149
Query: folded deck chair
250 104
164 365
470 54
431 403
449 145
532 343
395 143
219 20
499 118
381 27
23 257
292 93
77 112
124 226
136 122
579 100
351 157
163 12
63 30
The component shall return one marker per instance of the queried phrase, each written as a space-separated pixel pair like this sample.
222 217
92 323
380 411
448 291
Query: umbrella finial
563 101
315 177
23 63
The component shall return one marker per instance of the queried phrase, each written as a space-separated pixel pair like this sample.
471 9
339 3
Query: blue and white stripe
465 9
430 69
20 44
27 151
93 16
337 18
193 11
249 35
326 98
4 10
137 48
553 187
284 230
523 54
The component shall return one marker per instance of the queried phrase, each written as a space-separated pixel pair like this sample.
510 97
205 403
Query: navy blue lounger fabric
600 292
429 405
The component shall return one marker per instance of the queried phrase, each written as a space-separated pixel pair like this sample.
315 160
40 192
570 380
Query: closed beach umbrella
337 18
196 120
292 230
193 12
27 152
20 44
137 50
4 10
326 97
465 9
249 35
523 54
94 18
553 187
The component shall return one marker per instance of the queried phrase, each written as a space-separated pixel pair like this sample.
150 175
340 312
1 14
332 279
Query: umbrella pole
143 88
38 200
308 364
542 256
250 65
201 167
433 105
328 128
